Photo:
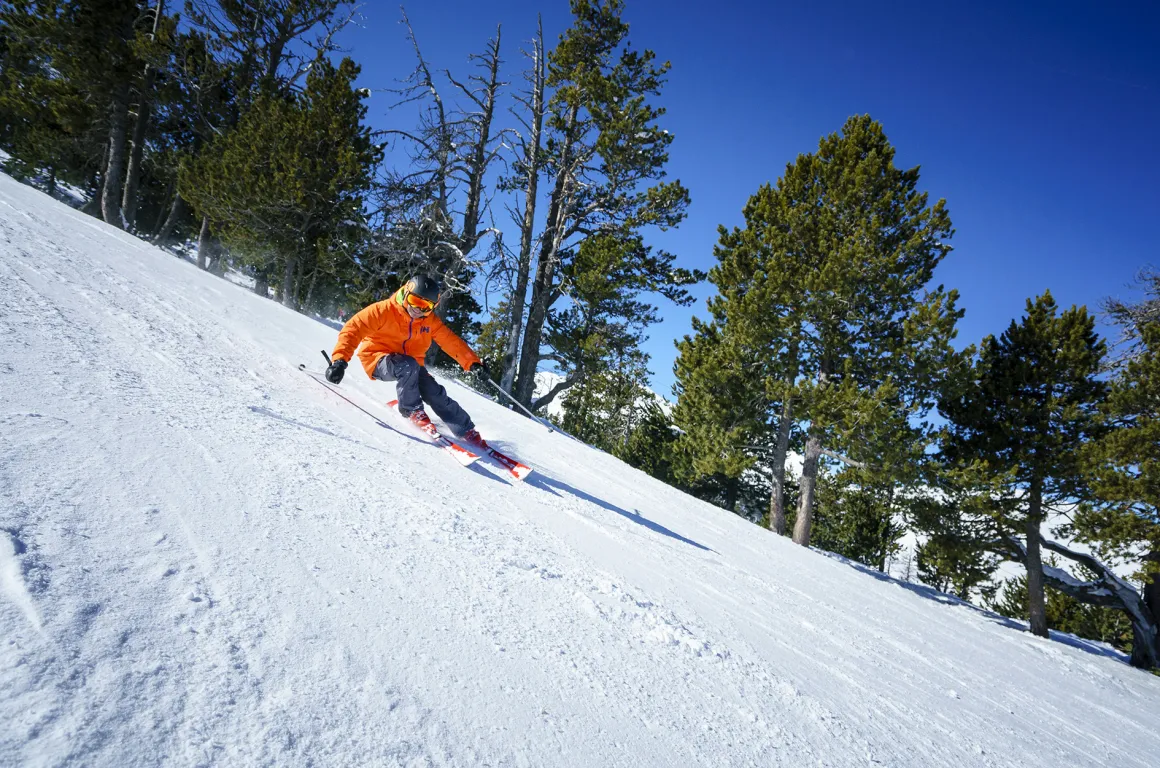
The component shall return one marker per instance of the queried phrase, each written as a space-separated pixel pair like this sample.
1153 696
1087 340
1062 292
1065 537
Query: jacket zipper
410 327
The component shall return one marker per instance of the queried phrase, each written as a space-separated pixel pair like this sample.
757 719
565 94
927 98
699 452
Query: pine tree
1122 519
955 552
287 185
1028 406
72 112
823 305
601 326
858 519
45 118
649 446
724 419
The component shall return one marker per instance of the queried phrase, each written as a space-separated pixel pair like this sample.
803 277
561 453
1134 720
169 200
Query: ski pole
505 393
520 405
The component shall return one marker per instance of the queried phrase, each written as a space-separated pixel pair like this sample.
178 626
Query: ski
517 470
458 452
463 456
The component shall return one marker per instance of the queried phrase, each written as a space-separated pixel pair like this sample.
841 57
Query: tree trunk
262 284
546 268
50 185
809 481
1036 598
203 244
1151 590
1151 597
308 302
805 513
144 103
163 213
299 281
777 497
533 333
136 152
1109 590
175 212
115 169
527 229
884 529
288 282
731 486
784 428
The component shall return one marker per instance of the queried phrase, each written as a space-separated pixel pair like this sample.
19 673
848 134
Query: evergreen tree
823 305
649 445
1028 406
1122 518
601 326
74 113
725 418
287 185
955 552
858 519
45 119
606 409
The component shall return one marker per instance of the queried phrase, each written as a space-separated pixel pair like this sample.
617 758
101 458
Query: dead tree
451 150
528 166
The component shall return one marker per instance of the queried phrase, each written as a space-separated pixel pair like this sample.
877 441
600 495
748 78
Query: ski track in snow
206 559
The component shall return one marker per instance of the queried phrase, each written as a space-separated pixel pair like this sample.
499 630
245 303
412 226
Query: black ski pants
415 387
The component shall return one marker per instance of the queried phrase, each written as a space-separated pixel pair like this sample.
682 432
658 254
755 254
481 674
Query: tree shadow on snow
550 485
930 593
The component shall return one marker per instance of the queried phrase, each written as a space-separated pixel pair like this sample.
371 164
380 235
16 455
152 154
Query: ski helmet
425 287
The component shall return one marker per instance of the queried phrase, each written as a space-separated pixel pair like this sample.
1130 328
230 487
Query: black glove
481 371
335 370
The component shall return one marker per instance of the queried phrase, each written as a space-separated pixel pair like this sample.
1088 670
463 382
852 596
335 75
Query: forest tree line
529 185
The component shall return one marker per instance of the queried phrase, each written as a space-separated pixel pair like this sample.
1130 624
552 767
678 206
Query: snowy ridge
207 559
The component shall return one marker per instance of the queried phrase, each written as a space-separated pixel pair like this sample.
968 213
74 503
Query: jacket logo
424 329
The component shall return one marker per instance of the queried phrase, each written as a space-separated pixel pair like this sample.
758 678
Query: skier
395 335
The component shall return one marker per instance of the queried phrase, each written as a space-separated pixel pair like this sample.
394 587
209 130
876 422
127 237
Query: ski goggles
418 302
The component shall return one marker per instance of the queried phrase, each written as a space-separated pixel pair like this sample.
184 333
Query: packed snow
206 558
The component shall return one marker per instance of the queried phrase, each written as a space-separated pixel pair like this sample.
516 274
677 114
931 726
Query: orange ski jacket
385 328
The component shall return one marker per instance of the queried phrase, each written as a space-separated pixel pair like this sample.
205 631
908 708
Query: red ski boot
422 422
472 437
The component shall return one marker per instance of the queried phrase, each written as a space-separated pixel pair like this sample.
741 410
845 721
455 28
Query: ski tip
521 472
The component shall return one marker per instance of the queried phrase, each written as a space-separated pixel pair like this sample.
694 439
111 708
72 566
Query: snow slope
208 559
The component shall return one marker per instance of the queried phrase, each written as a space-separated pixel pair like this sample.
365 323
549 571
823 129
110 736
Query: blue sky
1038 122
